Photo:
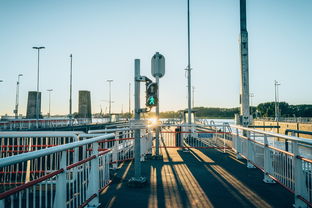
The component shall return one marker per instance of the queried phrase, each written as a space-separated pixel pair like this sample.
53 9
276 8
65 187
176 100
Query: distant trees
216 112
286 110
262 110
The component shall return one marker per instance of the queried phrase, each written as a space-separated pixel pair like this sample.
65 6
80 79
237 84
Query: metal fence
25 124
61 178
283 159
62 170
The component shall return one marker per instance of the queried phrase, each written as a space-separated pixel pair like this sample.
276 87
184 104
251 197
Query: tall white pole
276 84
129 100
37 94
50 90
71 90
110 98
189 86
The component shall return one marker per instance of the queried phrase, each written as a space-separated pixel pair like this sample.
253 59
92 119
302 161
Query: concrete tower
31 105
244 86
84 108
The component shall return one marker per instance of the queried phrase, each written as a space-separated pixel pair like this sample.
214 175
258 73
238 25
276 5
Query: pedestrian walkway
198 178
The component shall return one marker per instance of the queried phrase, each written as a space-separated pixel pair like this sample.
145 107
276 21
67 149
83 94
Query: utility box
158 65
32 103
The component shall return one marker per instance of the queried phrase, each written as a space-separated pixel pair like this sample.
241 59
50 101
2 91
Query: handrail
108 130
282 136
39 134
43 152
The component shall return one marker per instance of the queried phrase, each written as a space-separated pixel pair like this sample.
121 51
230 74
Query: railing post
268 166
238 145
250 151
223 126
94 177
2 203
60 194
115 151
299 177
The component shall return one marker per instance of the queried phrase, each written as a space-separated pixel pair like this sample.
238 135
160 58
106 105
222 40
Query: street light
37 97
49 90
110 96
17 96
71 90
276 84
129 101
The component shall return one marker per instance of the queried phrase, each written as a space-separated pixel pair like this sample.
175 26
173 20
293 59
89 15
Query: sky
105 36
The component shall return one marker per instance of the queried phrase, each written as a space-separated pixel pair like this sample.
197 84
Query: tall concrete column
84 108
244 86
32 103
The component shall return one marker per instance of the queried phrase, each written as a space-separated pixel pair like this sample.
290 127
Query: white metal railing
24 124
284 159
266 151
60 176
64 179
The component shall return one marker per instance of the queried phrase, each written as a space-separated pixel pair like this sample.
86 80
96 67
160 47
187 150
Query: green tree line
262 110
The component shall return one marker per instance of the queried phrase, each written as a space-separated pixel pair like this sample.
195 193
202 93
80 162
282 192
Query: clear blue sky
106 36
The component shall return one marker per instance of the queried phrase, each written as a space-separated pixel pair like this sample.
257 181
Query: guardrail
66 175
266 150
287 119
24 124
64 178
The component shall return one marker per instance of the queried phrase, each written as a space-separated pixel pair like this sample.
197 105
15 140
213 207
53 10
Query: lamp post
129 101
276 84
37 96
49 90
110 98
70 90
189 65
17 96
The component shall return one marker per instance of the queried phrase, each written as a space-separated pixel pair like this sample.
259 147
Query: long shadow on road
228 182
198 178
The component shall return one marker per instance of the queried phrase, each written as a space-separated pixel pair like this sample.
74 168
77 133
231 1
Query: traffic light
151 94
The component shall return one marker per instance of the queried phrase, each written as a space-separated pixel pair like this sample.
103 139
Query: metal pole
110 99
193 89
157 116
276 100
17 96
189 65
37 94
244 87
129 100
137 132
49 90
71 90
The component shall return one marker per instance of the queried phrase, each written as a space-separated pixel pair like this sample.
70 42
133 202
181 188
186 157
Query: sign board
158 65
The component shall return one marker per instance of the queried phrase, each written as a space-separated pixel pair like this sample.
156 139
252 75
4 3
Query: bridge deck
199 178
